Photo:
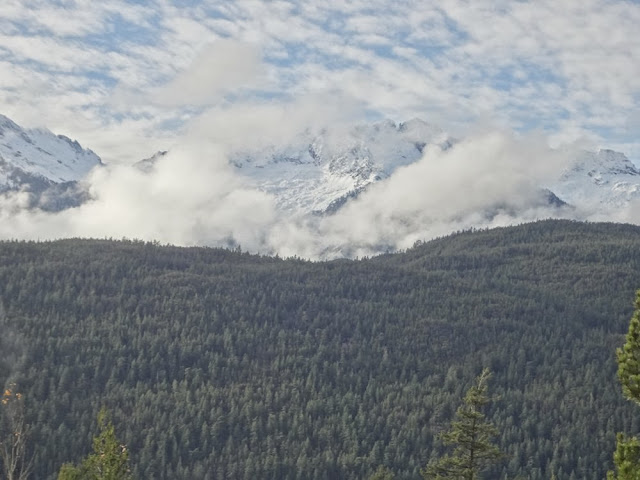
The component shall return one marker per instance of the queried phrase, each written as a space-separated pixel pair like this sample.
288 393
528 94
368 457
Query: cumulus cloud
218 68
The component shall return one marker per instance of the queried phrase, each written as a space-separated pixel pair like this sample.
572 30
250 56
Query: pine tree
382 473
626 459
629 357
109 460
471 434
627 455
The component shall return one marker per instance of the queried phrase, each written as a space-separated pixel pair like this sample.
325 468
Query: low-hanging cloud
250 125
193 196
488 180
190 196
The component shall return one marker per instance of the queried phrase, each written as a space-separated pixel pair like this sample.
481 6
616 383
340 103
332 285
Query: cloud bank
488 180
192 196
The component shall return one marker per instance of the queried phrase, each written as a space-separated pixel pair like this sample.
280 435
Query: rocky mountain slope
46 165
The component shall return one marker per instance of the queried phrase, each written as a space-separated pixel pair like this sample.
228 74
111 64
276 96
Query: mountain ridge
45 165
318 174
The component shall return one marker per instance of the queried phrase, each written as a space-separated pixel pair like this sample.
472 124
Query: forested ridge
221 364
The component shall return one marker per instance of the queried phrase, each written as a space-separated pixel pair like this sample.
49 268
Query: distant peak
6 122
37 153
615 162
413 122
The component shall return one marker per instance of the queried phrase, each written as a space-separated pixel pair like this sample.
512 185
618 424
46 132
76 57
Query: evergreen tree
629 357
472 435
109 460
626 459
382 473
627 455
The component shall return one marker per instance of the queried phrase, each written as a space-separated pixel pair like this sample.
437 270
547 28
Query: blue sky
130 78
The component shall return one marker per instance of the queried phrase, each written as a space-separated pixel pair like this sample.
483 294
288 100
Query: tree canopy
220 363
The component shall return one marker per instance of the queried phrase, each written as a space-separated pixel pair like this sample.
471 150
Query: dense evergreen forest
220 364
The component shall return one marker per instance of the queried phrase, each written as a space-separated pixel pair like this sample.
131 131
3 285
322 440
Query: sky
520 84
127 79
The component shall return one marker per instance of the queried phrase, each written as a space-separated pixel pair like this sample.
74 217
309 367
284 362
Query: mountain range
45 165
314 174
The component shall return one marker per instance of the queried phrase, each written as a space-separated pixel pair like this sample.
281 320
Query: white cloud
491 179
222 66
251 125
585 46
191 197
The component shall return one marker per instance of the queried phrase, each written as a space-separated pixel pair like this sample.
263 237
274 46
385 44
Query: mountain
319 173
221 364
597 181
46 165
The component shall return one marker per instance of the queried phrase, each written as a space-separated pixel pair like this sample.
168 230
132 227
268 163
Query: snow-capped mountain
598 181
319 173
44 164
316 173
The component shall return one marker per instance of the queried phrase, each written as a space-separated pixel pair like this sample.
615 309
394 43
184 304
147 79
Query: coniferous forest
219 364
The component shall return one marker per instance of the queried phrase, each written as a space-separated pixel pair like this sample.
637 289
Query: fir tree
629 357
382 473
627 455
471 434
109 460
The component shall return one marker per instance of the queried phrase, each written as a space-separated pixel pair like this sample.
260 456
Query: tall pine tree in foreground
471 434
109 460
627 455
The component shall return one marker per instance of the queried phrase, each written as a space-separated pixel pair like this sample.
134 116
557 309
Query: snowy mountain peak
41 155
147 164
617 163
599 179
317 172
604 162
419 129
7 123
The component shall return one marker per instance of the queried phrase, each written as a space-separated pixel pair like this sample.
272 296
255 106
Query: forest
219 364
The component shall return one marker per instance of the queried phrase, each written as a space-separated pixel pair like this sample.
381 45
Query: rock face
45 165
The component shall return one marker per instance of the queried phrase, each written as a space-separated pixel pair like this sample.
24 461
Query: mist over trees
221 364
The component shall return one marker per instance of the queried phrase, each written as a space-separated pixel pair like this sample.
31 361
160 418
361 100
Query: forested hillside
218 364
